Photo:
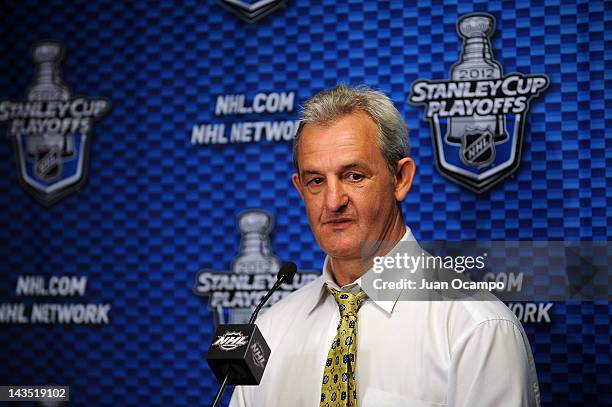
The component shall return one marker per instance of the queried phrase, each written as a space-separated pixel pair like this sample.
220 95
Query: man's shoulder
479 311
468 318
458 319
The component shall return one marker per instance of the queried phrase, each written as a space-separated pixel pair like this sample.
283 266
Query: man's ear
404 174
297 183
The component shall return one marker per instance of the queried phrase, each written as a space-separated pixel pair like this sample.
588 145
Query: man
334 346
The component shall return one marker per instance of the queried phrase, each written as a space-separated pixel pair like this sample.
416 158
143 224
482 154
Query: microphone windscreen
287 271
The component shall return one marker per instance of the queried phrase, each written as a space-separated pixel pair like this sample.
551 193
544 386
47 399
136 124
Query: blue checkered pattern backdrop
156 209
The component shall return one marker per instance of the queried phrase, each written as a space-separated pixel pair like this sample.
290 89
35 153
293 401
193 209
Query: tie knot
347 303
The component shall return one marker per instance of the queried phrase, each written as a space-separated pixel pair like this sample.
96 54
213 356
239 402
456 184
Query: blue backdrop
157 208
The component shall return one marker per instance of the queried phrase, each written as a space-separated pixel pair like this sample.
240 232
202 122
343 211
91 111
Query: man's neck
346 271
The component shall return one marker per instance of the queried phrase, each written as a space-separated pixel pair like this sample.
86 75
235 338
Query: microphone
239 353
285 275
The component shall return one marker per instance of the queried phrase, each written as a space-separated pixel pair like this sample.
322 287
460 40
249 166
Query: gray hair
330 105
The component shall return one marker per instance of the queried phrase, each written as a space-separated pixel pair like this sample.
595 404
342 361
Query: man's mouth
338 223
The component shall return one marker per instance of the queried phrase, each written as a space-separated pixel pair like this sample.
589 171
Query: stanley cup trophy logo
477 134
255 255
51 129
47 82
234 294
47 149
477 117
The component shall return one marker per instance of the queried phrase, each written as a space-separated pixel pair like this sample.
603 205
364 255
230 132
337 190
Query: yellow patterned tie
338 388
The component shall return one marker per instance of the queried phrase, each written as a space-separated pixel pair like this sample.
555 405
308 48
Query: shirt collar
327 278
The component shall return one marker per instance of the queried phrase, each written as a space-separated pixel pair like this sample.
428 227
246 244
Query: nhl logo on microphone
240 350
259 355
230 341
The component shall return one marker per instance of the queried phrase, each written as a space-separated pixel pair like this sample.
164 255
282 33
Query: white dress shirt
410 353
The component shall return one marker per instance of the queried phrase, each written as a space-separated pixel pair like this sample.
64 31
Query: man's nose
336 197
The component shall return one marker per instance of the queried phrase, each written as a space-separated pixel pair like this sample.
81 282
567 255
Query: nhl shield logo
477 117
51 130
477 148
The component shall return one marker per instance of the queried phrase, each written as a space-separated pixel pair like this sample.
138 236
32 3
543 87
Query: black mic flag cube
241 351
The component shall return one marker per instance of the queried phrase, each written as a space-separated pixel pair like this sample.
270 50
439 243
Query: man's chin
342 251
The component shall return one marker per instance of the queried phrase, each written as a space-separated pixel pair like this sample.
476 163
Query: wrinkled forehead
351 139
326 122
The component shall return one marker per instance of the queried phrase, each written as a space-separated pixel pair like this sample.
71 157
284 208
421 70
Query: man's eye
316 181
353 176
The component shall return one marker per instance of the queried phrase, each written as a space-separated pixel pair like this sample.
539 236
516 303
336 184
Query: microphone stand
277 284
221 389
285 274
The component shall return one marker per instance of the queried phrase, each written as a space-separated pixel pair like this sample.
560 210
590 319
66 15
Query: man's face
346 185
